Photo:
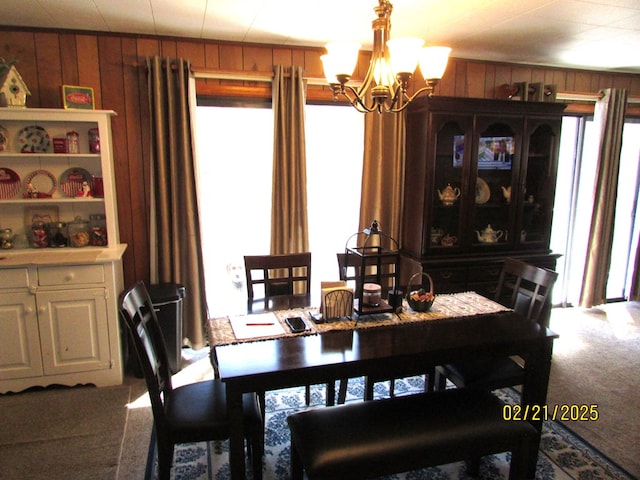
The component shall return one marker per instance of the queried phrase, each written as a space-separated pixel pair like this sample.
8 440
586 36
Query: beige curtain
383 172
176 256
289 228
609 118
634 294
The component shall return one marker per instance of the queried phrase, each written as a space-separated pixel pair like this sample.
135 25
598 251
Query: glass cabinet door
537 190
449 196
494 171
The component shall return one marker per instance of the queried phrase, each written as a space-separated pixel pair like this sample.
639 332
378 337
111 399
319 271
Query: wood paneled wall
113 65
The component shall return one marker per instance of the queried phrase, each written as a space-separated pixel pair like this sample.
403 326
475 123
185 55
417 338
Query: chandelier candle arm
393 62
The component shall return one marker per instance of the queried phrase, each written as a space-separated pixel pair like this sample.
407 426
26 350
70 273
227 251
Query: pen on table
258 324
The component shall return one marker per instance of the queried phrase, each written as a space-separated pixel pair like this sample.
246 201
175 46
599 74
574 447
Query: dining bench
380 437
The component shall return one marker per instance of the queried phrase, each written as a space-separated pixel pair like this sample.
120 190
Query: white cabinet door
74 332
19 338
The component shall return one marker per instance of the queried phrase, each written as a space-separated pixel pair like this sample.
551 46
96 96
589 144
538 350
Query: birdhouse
13 90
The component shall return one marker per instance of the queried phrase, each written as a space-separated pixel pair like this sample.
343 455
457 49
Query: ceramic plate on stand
34 139
72 179
483 193
9 183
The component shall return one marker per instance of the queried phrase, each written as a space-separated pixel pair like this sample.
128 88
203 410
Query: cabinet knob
68 277
42 309
28 310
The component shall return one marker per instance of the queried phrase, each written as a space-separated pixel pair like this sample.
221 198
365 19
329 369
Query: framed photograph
77 97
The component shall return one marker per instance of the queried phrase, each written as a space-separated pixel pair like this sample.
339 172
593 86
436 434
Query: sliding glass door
574 204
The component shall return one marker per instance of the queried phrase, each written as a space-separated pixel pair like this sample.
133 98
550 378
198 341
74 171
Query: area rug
563 455
48 433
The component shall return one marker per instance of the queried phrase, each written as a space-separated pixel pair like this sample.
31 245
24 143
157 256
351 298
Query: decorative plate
483 193
4 139
9 183
34 139
71 181
40 184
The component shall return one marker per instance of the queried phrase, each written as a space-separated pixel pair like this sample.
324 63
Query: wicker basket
418 305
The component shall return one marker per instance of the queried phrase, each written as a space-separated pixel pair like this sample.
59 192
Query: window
574 204
235 154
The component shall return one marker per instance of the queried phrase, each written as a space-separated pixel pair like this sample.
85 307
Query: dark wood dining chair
191 413
270 276
525 288
273 277
349 271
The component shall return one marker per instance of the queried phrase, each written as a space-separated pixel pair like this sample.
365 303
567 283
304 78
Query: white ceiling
590 34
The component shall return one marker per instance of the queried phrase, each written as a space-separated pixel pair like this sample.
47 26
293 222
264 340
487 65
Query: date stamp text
563 412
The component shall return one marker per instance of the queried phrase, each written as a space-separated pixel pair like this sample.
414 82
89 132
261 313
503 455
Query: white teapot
506 191
449 195
489 235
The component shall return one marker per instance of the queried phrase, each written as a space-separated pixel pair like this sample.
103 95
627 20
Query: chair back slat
138 313
283 274
351 273
527 289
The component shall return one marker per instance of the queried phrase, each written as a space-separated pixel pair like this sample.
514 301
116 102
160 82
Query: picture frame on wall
74 96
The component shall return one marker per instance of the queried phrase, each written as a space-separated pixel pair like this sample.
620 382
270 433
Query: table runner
464 304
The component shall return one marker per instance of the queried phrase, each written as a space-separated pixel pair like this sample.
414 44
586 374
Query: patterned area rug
563 455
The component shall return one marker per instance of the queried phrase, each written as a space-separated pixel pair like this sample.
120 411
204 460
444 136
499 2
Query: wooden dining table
385 346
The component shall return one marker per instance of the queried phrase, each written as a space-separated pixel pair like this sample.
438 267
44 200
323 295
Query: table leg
236 437
534 394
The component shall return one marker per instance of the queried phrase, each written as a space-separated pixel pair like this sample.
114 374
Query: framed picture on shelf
495 153
74 96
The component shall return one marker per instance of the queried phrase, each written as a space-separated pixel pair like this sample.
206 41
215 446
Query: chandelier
392 64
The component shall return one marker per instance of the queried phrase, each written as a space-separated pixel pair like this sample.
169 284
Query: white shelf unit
58 306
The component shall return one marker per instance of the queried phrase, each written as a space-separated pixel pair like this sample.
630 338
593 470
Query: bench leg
519 460
296 465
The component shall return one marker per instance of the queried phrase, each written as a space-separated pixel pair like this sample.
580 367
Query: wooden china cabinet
479 187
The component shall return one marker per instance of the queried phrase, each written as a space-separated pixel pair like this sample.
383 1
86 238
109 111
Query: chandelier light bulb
341 59
433 62
404 54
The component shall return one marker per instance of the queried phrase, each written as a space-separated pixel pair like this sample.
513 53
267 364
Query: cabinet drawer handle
68 277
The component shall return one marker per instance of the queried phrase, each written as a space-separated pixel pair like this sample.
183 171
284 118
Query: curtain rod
240 75
267 77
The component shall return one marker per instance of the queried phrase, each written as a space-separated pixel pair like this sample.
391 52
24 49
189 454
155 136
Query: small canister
78 232
98 233
94 140
371 294
39 234
58 236
6 238
72 142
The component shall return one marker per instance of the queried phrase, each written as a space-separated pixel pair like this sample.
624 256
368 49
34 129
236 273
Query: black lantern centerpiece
375 257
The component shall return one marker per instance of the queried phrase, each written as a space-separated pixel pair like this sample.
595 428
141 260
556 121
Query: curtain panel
176 256
289 225
383 172
609 118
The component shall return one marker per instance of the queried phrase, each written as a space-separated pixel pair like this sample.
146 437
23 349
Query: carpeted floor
77 433
50 433
563 456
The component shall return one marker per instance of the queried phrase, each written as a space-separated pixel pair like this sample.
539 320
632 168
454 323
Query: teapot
489 235
448 240
506 191
449 195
